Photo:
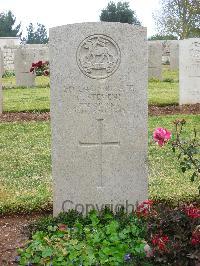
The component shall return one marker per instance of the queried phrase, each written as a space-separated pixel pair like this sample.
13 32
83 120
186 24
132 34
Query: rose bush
40 68
188 149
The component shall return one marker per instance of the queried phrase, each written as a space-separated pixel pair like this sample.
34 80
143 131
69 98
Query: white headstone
189 71
24 57
23 61
99 115
174 55
154 60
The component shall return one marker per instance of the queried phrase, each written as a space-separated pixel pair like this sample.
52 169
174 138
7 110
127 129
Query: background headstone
154 60
24 57
1 73
174 55
99 114
23 61
189 71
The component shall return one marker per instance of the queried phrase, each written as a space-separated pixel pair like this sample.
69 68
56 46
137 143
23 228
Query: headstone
23 61
155 60
99 115
189 71
41 54
1 73
24 57
165 51
174 55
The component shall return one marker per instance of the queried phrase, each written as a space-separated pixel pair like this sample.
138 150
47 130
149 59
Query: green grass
10 82
26 100
163 93
25 169
37 99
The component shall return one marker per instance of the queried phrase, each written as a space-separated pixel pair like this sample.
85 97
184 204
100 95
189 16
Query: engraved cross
99 144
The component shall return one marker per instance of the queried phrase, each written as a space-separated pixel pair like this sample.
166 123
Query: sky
53 13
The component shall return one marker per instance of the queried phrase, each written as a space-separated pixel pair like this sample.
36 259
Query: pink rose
161 136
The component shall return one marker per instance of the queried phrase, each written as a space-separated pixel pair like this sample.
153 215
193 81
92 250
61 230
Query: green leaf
193 177
47 252
183 169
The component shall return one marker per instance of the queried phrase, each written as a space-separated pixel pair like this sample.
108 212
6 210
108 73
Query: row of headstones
155 55
185 56
24 57
189 65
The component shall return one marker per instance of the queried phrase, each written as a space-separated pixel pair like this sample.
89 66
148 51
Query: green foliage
178 18
166 180
162 37
88 242
119 12
189 151
36 35
179 225
156 234
170 80
8 74
7 25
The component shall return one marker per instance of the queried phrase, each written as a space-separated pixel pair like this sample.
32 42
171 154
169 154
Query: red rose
144 208
46 73
195 241
31 69
160 241
192 212
39 63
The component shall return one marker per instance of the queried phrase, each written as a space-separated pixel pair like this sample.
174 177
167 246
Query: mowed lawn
25 169
37 99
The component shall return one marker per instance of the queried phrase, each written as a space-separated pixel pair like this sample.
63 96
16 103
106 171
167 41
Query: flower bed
155 234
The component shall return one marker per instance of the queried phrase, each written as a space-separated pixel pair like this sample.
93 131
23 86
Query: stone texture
98 114
40 49
24 57
1 73
174 55
189 71
23 60
155 60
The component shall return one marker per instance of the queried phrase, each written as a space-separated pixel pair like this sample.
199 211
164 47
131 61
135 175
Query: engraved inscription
193 70
103 99
99 144
98 56
195 51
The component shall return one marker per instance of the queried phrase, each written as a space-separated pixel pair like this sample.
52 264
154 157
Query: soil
22 116
13 236
174 109
153 111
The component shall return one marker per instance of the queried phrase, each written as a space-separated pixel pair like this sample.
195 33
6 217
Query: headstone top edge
136 27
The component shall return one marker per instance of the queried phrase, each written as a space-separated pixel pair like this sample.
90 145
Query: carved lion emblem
98 56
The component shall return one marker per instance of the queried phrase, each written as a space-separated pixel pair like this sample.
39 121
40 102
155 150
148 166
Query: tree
36 36
162 37
7 28
179 17
119 12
